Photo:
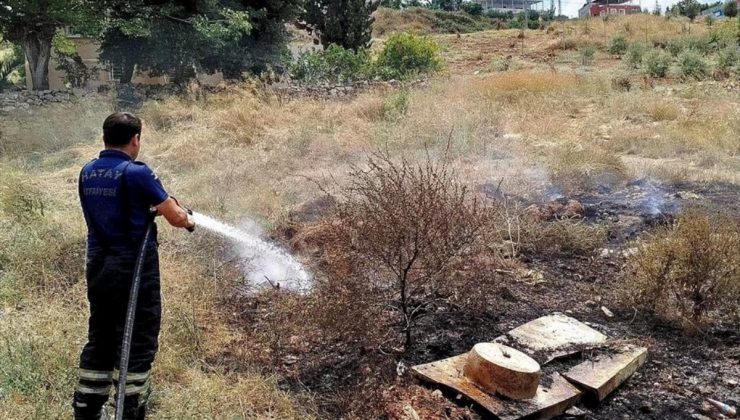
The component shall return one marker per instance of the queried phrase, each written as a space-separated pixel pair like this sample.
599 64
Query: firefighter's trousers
109 276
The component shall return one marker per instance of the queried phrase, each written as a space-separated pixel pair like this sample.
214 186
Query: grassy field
548 120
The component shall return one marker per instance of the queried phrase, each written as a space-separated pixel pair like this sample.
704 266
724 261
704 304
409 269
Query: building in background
104 74
514 6
608 7
718 10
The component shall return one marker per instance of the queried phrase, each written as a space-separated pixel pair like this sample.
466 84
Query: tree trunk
37 47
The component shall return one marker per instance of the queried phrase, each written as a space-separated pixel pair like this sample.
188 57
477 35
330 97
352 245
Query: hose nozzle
190 219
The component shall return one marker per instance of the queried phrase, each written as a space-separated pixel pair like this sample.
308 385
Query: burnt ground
681 371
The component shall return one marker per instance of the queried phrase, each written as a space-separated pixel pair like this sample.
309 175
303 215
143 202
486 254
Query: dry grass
635 28
689 272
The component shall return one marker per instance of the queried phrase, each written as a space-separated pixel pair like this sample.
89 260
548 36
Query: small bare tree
407 224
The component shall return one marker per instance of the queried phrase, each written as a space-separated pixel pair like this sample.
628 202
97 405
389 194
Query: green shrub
634 55
475 9
618 45
691 65
675 47
728 59
334 65
656 62
502 64
405 55
587 54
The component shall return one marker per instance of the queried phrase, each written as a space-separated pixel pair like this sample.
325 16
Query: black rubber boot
88 407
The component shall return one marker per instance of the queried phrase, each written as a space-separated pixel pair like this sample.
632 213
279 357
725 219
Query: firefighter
119 197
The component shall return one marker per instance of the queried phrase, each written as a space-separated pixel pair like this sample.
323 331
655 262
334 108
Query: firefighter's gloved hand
191 221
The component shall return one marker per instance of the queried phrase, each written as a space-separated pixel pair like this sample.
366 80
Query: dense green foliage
475 9
656 63
11 64
406 54
180 38
618 45
689 8
728 59
33 23
333 65
691 65
446 5
347 23
403 56
634 54
730 8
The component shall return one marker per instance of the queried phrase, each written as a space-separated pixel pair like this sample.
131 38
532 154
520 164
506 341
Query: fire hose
129 325
128 328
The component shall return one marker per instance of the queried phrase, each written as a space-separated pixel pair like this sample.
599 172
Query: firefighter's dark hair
119 128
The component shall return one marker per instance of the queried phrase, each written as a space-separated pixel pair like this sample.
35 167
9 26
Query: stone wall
25 99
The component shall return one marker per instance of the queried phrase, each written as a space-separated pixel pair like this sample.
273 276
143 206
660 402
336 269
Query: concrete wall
88 49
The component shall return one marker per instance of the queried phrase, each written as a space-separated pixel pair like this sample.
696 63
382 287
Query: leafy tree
391 4
32 25
11 63
475 9
730 8
447 5
347 23
689 8
182 37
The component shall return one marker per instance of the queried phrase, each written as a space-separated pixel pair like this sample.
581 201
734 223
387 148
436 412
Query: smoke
266 265
654 199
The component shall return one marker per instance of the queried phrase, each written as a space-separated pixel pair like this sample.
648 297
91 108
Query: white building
514 6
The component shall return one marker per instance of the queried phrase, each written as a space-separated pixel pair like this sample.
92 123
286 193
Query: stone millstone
501 369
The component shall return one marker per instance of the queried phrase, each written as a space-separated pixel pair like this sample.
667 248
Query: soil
681 371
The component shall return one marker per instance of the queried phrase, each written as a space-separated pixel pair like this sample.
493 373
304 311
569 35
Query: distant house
106 74
717 11
514 6
606 7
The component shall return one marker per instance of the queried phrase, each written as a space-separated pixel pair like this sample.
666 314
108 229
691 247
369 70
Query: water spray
268 263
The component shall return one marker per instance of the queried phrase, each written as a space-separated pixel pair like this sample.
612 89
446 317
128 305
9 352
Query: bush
703 45
587 54
334 65
406 227
635 53
730 8
621 83
691 65
687 271
728 59
618 45
502 64
656 62
475 9
405 55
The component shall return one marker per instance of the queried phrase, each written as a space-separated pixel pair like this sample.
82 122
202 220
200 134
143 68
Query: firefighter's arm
174 214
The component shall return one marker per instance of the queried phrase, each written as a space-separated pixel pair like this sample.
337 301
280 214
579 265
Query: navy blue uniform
116 194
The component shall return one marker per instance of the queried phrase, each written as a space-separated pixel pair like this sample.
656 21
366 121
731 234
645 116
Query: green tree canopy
347 23
182 37
730 8
689 8
33 23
